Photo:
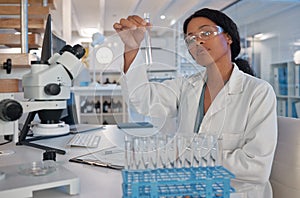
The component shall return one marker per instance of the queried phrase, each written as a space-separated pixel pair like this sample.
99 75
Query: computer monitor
51 42
57 43
69 115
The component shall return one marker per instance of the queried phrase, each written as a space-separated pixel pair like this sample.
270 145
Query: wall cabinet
101 104
286 83
107 77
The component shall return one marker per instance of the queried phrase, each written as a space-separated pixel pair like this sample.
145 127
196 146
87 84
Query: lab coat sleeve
253 161
149 98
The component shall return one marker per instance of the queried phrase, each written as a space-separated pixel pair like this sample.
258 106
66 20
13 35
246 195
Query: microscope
51 83
47 87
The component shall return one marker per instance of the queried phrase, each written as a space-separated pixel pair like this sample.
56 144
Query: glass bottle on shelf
83 106
97 106
107 81
89 107
106 107
119 106
109 107
115 106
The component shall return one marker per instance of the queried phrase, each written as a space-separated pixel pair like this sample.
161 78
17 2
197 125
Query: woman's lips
201 51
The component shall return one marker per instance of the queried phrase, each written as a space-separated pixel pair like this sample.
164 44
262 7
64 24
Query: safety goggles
205 33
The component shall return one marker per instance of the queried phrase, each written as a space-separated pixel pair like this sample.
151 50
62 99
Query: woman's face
206 42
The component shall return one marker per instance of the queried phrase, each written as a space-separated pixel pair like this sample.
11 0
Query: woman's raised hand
131 31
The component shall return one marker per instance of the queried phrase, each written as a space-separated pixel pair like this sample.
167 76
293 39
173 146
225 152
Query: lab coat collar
232 87
236 81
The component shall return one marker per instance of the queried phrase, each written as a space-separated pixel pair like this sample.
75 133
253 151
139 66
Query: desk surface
94 181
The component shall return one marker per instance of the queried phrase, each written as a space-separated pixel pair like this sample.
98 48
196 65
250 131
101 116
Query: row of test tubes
172 151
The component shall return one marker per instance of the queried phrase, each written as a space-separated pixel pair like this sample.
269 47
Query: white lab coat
244 112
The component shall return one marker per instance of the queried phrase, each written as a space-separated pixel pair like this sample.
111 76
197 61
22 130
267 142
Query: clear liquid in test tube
148 47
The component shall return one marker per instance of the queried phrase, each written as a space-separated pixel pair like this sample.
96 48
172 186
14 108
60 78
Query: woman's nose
199 41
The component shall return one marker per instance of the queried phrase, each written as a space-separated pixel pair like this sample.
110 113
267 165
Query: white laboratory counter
94 181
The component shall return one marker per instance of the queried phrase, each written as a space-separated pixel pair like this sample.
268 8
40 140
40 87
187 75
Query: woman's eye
205 34
191 39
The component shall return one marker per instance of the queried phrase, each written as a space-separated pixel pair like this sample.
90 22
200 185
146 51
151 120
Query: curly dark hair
228 26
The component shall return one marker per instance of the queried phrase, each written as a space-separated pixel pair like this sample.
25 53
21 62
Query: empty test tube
148 47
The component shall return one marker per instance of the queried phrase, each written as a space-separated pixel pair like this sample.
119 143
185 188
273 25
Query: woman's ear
228 38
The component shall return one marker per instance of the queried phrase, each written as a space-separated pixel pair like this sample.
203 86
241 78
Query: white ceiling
102 14
250 11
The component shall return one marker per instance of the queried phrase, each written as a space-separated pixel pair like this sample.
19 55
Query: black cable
28 142
3 143
46 148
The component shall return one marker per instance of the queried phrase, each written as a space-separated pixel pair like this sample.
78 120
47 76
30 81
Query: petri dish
39 168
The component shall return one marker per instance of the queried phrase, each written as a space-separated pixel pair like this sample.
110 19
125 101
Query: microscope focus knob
11 110
7 65
52 89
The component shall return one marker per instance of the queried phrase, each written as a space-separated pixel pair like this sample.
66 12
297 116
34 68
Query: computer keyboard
85 140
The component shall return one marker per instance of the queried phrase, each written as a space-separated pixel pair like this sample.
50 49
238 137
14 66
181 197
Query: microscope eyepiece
66 48
77 50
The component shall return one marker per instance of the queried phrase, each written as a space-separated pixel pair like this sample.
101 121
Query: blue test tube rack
195 182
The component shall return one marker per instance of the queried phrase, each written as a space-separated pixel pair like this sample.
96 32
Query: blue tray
208 182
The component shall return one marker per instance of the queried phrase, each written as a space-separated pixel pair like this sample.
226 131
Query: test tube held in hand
148 47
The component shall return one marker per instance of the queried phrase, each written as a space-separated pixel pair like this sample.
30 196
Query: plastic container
208 182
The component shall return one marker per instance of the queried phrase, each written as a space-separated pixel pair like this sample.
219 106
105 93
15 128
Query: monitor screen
69 115
51 42
57 43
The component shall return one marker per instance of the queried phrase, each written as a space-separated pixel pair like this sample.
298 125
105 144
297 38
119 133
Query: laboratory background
32 31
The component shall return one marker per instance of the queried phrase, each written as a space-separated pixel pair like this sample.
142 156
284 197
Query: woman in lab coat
221 99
